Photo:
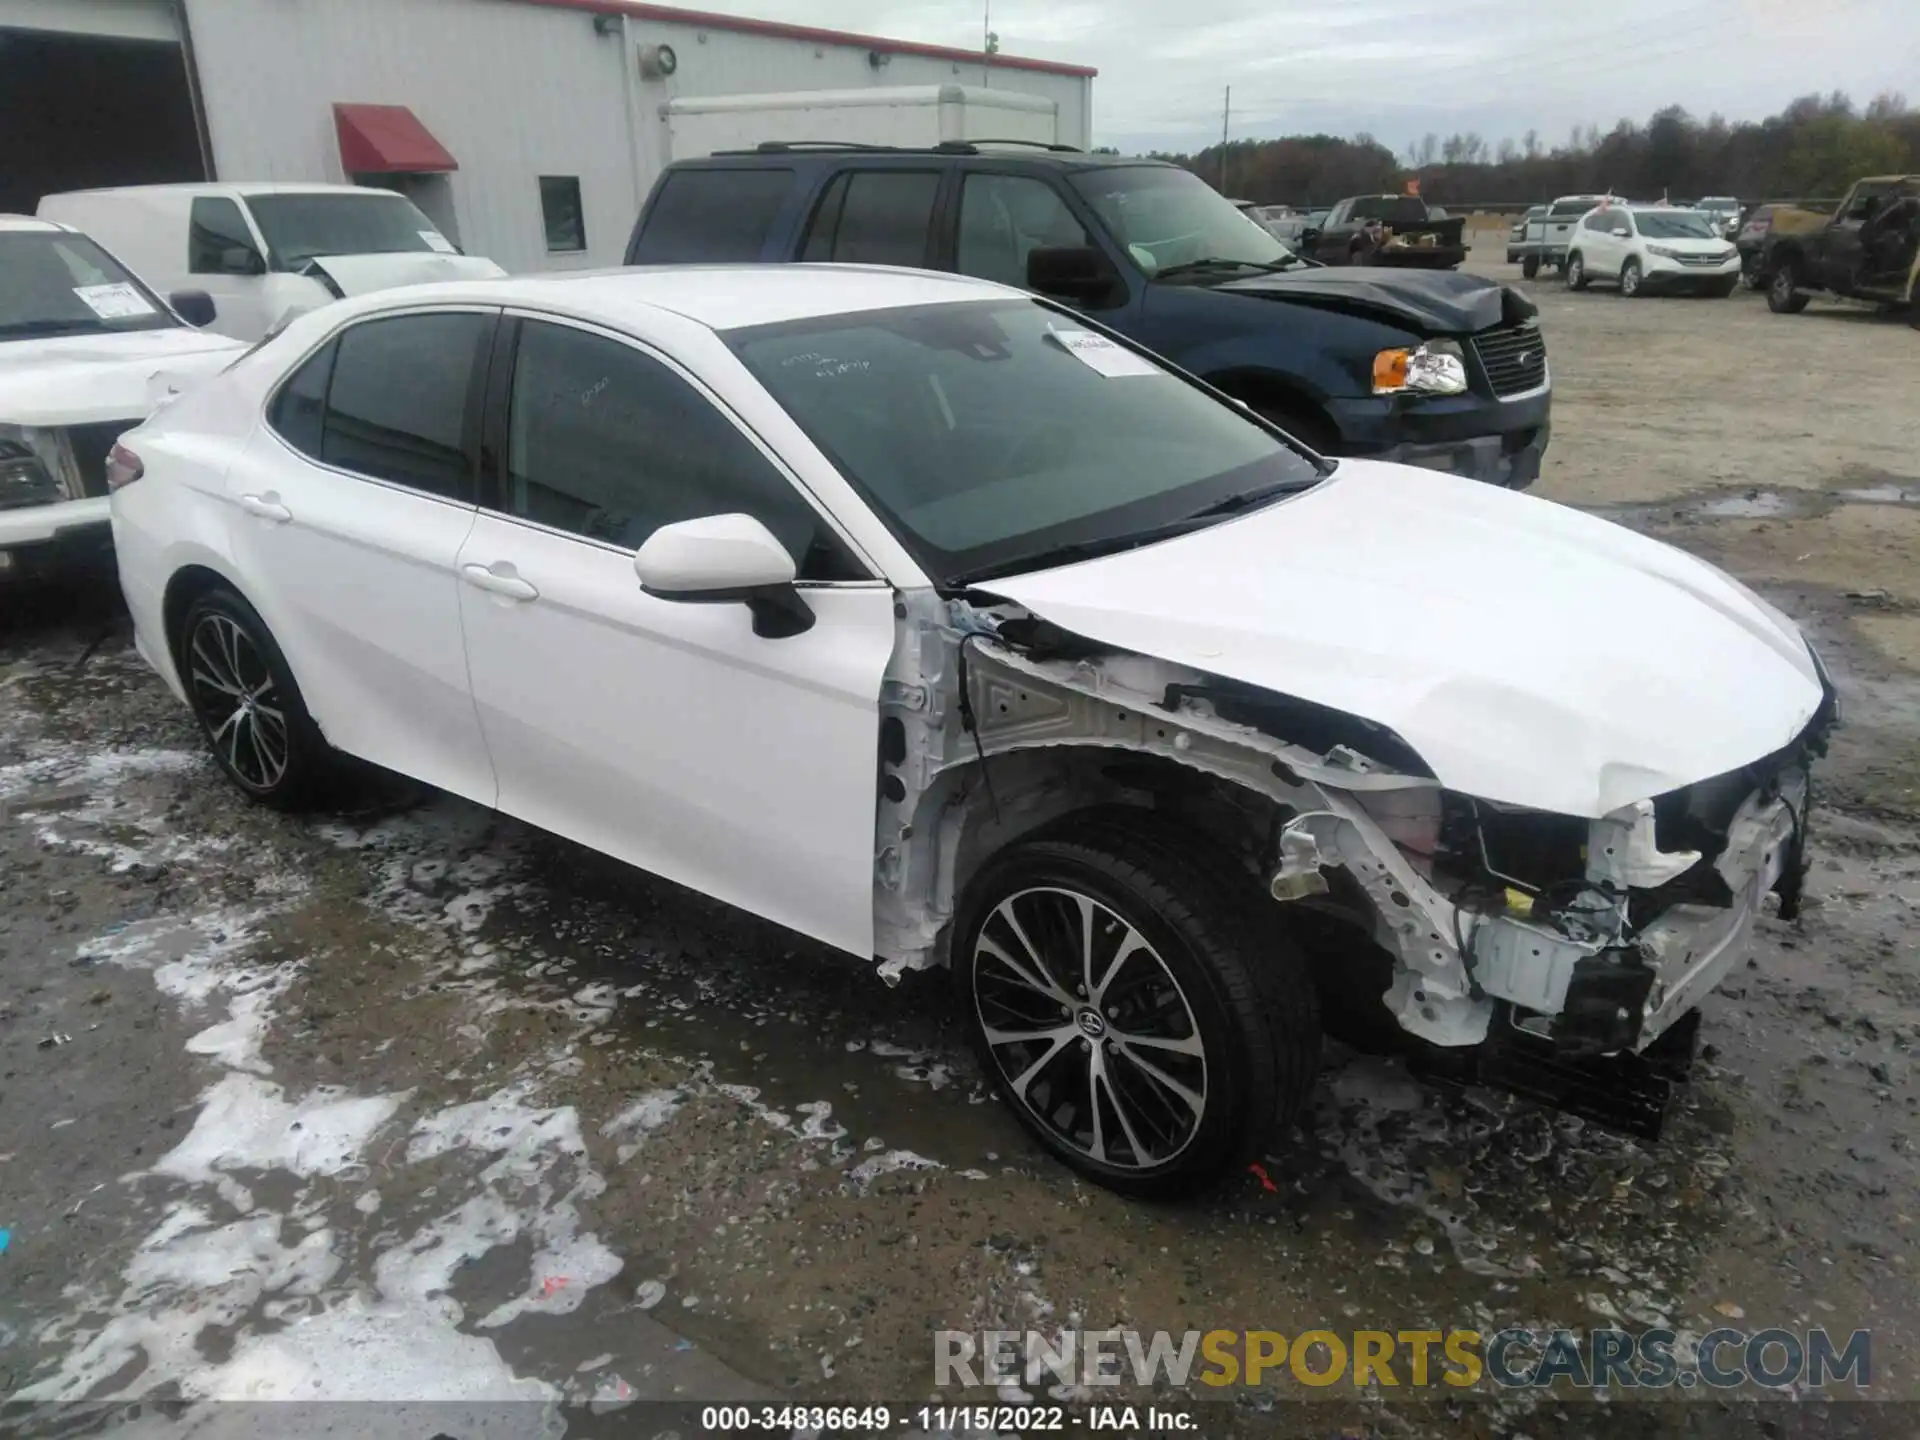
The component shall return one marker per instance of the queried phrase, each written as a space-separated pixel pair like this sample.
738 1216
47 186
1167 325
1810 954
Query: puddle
1753 505
1884 495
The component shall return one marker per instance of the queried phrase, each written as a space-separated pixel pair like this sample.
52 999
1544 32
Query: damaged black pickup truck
1425 367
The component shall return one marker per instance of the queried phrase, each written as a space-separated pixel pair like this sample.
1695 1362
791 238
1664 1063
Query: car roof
264 187
720 297
31 223
998 153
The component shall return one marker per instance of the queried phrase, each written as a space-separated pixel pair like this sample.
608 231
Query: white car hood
75 379
1531 654
358 274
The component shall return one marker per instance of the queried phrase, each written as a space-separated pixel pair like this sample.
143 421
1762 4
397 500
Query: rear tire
1630 279
1576 272
1131 1006
249 707
1784 295
1530 266
1724 288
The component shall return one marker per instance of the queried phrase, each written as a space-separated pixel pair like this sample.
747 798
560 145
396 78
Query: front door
350 506
665 733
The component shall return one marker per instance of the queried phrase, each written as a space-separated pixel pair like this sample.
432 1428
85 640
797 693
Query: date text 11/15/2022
946 1419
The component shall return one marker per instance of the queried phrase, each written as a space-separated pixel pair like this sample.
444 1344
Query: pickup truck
1432 368
1549 232
1517 234
1867 250
1388 230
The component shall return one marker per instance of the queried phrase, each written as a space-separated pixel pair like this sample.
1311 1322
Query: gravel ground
417 1103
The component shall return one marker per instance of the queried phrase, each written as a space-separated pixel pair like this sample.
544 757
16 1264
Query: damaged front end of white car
1560 956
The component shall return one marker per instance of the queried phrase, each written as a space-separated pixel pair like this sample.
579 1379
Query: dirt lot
418 1103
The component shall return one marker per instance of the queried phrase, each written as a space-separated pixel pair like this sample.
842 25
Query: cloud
1398 70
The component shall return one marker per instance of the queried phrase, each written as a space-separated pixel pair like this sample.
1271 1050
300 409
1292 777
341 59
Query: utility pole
987 45
1226 116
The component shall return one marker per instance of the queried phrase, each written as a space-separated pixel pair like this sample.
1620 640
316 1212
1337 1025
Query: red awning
388 140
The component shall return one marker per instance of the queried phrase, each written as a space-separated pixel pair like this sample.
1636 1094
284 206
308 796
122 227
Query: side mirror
241 260
193 306
1071 272
725 559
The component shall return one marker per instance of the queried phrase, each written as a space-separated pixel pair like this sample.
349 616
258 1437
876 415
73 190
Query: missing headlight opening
1553 954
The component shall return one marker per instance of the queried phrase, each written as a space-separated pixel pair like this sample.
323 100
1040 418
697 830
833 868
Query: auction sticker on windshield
436 241
1101 354
119 301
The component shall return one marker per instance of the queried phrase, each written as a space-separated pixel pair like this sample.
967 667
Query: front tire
1630 279
1132 1008
248 705
1576 272
1725 288
1784 295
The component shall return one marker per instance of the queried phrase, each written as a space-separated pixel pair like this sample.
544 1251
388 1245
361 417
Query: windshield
298 227
1165 217
54 283
996 435
1675 225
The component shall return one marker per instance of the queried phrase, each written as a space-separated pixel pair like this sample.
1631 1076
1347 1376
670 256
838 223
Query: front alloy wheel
1089 1029
1143 1017
1630 279
1576 272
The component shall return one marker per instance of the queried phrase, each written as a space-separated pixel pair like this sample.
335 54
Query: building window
560 209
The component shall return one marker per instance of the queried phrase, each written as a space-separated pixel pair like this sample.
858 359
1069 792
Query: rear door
349 510
724 214
880 215
1841 251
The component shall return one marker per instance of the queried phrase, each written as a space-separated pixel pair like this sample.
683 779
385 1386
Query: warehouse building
529 130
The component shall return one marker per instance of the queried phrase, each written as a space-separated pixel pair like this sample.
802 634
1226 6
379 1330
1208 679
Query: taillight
123 468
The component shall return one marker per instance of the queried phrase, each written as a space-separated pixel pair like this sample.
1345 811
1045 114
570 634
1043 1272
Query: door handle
511 586
266 509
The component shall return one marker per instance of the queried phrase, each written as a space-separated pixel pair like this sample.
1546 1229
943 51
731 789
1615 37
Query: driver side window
1005 218
607 443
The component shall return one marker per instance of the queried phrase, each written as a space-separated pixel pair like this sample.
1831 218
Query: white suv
86 351
1652 249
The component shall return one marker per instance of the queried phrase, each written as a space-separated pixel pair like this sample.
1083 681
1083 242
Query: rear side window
1568 208
398 393
215 230
875 217
711 215
301 406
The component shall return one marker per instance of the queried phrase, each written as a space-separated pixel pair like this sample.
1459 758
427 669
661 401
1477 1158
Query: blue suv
1433 368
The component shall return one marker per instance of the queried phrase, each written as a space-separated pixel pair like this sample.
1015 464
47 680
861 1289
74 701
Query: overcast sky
1399 68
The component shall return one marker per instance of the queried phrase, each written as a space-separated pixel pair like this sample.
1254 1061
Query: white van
263 251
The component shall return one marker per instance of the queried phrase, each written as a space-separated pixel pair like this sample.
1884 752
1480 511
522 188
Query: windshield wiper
1218 262
1077 550
24 329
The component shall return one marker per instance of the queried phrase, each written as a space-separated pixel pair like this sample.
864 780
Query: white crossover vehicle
1652 250
921 616
86 352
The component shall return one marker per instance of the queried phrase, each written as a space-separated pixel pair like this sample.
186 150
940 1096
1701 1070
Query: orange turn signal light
1390 371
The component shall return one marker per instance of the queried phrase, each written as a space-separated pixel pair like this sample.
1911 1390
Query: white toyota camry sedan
930 620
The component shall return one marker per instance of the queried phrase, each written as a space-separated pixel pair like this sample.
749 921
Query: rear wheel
1630 278
1131 1007
247 703
1530 266
1576 271
1784 295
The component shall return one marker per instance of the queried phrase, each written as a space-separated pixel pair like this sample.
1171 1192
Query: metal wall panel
516 91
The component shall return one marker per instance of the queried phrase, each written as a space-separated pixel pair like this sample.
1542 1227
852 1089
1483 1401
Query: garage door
92 92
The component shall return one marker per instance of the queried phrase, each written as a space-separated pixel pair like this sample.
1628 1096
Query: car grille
90 444
1703 261
1514 357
